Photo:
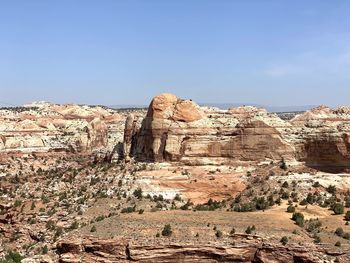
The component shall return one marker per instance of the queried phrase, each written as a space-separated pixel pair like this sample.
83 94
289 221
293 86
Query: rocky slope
180 130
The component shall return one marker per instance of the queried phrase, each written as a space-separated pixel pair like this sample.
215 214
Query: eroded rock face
180 130
323 140
45 127
168 107
91 249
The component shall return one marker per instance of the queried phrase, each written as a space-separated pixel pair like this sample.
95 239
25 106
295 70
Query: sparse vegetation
284 240
298 218
167 231
338 209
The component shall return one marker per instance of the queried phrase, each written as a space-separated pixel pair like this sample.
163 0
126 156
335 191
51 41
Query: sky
267 52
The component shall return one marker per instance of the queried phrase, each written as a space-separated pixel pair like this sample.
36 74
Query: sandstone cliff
45 127
180 130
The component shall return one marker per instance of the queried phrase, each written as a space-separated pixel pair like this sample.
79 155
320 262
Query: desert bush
45 250
298 218
290 209
218 234
317 239
332 189
177 197
138 193
166 232
347 216
284 240
339 232
12 257
129 209
346 236
313 225
316 184
261 203
283 165
338 208
285 195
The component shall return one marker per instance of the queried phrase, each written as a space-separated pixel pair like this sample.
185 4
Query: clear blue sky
125 52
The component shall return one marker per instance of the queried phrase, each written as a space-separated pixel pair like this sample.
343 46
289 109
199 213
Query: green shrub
218 234
285 195
339 232
177 197
338 209
298 218
347 216
313 225
248 230
17 203
284 240
303 202
12 257
129 209
331 189
45 250
290 209
138 193
166 232
317 239
261 203
283 165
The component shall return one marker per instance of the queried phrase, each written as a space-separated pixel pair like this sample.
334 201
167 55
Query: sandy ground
271 224
196 183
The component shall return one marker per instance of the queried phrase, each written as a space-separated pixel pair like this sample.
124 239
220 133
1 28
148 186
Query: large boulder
168 106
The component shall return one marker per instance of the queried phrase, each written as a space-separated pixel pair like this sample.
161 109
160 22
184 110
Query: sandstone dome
168 106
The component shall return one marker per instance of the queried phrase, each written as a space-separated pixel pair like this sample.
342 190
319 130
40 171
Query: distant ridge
230 105
218 105
127 106
268 108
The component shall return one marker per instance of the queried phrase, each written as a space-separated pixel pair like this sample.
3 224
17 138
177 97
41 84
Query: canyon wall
51 128
177 130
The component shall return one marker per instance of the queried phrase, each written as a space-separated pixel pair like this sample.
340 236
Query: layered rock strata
91 249
44 127
180 130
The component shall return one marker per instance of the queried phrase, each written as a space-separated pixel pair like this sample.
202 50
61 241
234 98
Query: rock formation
180 130
325 137
44 127
91 249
